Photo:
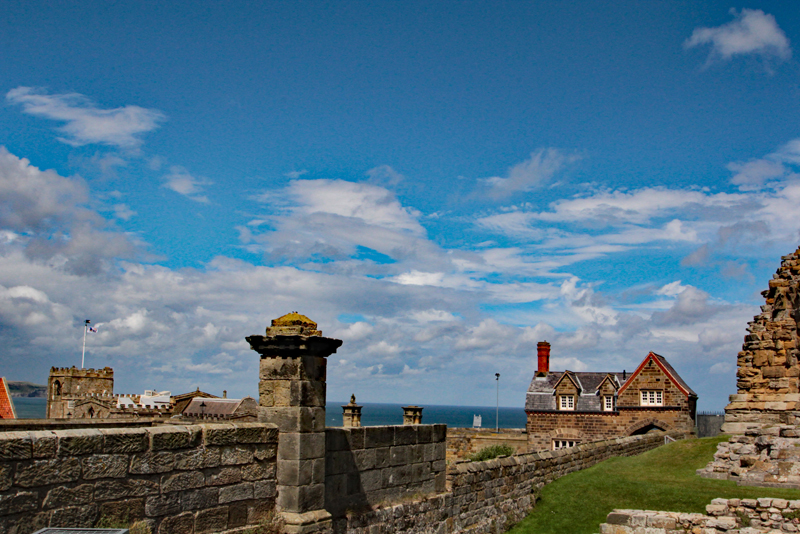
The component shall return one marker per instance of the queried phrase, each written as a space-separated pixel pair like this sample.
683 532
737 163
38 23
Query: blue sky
441 185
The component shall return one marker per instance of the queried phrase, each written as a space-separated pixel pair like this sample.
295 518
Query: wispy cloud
751 32
537 171
182 182
85 122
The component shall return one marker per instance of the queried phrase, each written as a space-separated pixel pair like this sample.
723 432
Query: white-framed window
608 403
563 443
652 398
566 402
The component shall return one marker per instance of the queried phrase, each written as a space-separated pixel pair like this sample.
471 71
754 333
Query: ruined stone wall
544 427
179 479
489 497
768 370
462 442
365 466
722 515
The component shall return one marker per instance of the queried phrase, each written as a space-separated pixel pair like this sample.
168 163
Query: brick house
567 408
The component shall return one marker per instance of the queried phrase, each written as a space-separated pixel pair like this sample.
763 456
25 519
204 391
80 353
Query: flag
92 329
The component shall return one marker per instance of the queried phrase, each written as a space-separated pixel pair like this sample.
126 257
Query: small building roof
294 319
205 407
7 410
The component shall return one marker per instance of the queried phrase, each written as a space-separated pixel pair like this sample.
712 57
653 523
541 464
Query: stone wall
365 466
544 427
767 376
489 497
179 479
745 516
462 442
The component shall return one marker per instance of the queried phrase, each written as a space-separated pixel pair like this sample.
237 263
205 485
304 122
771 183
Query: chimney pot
543 350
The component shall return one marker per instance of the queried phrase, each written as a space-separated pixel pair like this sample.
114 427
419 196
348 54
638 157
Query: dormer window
566 402
652 398
608 403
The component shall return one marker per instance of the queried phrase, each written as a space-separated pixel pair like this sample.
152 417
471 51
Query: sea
372 414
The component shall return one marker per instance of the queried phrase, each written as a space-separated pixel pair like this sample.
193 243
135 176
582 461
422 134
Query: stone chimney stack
543 349
351 416
292 396
412 415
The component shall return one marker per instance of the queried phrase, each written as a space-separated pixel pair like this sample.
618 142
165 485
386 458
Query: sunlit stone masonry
768 371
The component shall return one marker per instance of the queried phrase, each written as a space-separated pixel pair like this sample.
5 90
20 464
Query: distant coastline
27 389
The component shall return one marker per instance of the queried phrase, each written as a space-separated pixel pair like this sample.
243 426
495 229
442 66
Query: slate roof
212 407
541 397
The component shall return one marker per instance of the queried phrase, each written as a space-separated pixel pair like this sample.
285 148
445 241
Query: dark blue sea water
372 414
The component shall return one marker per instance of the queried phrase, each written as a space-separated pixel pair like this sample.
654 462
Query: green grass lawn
660 479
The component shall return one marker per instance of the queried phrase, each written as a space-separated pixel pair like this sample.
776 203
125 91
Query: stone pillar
292 396
412 415
768 373
351 416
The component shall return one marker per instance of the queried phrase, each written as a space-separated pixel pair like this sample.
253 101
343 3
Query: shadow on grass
660 479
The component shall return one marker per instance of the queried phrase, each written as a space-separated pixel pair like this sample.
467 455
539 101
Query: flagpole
85 328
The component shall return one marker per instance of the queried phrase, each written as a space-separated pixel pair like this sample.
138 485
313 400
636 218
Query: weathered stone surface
169 437
236 454
104 466
15 446
152 462
116 489
182 481
44 472
211 520
197 458
158 505
75 516
180 524
60 496
237 492
223 476
5 477
123 512
124 440
21 501
200 499
77 442
45 443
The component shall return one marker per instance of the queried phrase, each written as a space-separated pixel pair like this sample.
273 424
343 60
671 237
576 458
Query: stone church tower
768 375
66 385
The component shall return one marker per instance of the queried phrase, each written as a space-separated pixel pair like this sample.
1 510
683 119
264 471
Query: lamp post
497 412
85 329
202 409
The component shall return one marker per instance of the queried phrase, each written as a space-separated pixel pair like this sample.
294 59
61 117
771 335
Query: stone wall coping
24 445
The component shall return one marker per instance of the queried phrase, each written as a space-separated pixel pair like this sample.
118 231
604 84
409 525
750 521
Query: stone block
182 481
424 433
237 492
223 476
618 518
6 478
44 442
416 453
121 512
45 472
301 446
265 489
104 466
211 521
75 516
255 433
236 454
179 524
421 472
318 471
21 501
15 446
301 498
294 419
199 458
116 489
405 435
218 434
382 457
399 455
355 437
200 499
124 440
336 440
396 476
169 437
77 442
265 452
439 433
294 472
378 436
237 515
158 505
364 459
147 463
259 470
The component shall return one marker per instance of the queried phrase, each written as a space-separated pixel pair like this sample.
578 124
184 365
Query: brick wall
180 479
368 465
489 497
544 427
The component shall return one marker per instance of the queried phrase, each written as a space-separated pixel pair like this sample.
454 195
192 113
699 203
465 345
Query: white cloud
182 182
85 122
751 32
537 171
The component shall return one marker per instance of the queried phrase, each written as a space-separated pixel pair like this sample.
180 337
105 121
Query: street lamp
497 412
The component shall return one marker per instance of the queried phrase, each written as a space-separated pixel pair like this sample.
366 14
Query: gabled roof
611 378
7 410
666 368
572 378
204 407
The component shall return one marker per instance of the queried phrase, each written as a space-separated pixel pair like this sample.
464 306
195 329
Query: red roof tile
6 404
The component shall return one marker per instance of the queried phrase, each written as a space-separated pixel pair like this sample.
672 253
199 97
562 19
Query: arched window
57 388
91 412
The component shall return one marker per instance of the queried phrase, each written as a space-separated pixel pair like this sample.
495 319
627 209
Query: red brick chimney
543 348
